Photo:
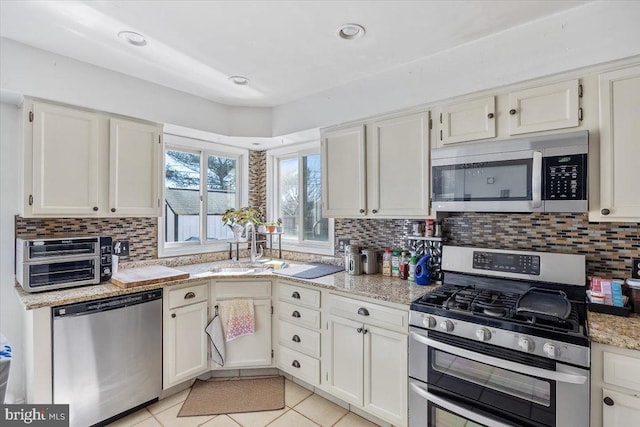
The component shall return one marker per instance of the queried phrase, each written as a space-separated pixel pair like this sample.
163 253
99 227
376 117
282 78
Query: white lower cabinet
248 351
184 339
615 386
367 362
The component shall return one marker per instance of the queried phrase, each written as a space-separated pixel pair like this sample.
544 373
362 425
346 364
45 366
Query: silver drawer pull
295 313
295 364
295 338
189 295
295 295
363 311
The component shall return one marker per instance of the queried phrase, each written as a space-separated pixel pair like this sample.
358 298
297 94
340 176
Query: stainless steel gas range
503 342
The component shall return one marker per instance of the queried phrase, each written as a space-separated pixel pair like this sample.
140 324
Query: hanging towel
214 330
238 318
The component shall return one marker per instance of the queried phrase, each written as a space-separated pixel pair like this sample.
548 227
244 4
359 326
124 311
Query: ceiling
287 49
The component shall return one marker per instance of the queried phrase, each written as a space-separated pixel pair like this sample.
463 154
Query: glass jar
386 262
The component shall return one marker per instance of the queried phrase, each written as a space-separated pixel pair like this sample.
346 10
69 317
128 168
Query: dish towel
214 330
238 318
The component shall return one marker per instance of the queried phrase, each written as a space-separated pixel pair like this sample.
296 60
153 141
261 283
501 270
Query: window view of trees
183 207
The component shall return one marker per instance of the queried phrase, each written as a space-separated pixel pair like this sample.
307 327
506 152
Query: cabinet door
185 343
621 409
398 179
468 121
619 145
543 108
385 374
65 161
252 350
134 168
344 173
346 359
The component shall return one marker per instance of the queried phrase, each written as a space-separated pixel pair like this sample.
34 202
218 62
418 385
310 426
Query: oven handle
458 410
536 179
501 363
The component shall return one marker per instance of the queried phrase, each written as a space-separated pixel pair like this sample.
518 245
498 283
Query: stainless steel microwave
539 174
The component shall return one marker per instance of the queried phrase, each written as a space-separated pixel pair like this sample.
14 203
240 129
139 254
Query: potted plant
237 219
275 226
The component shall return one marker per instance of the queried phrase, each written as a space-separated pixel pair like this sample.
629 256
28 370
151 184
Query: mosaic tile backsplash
142 233
257 178
608 247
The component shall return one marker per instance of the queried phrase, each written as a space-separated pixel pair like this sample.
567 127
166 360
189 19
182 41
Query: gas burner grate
494 303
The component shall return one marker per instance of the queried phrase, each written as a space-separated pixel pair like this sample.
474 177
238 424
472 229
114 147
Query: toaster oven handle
501 363
536 179
446 404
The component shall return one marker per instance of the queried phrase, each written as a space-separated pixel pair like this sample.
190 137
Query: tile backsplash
141 232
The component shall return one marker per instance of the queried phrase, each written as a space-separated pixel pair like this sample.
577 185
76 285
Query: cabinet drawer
374 314
186 296
300 365
299 295
620 370
300 339
242 289
299 315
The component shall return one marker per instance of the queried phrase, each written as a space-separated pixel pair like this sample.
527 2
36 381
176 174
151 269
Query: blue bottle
423 272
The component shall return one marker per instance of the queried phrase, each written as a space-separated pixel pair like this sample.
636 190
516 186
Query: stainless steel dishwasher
107 355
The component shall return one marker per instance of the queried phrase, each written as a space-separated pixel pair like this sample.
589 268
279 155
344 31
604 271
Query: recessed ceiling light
351 31
255 143
239 80
133 38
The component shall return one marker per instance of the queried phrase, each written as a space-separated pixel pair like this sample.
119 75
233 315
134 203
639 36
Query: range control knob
446 325
429 322
550 350
483 334
525 344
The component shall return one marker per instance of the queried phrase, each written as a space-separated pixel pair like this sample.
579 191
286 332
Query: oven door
428 410
505 182
62 273
515 387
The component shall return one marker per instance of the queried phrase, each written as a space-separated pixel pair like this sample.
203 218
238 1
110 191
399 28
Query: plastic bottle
395 264
412 267
386 263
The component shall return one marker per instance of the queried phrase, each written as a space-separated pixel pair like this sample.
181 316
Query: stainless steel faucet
254 250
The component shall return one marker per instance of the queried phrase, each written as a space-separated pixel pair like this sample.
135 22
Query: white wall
38 73
11 318
592 34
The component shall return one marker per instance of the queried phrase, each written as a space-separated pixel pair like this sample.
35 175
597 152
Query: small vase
272 228
237 230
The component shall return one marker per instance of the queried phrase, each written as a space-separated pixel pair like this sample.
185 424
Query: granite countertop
615 330
377 287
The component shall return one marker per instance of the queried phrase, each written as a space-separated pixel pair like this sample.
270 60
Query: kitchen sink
239 270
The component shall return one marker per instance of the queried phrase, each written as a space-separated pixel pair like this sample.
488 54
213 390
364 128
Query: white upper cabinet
619 146
378 169
80 163
344 172
65 161
134 168
543 108
468 121
398 167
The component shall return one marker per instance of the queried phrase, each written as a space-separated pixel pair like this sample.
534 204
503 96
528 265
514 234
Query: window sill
219 246
308 248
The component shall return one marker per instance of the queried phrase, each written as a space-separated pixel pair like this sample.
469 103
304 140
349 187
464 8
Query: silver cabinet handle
295 338
295 364
189 295
501 363
363 311
295 295
295 313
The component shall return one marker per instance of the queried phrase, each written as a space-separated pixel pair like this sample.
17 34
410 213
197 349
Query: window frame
273 174
204 148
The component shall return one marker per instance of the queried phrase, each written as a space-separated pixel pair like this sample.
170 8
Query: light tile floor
302 408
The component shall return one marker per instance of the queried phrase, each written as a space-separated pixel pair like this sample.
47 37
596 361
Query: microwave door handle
458 410
501 363
536 179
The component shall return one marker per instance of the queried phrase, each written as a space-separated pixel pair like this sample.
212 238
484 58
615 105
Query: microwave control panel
565 177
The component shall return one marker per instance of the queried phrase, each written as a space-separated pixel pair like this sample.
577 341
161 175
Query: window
296 198
201 181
